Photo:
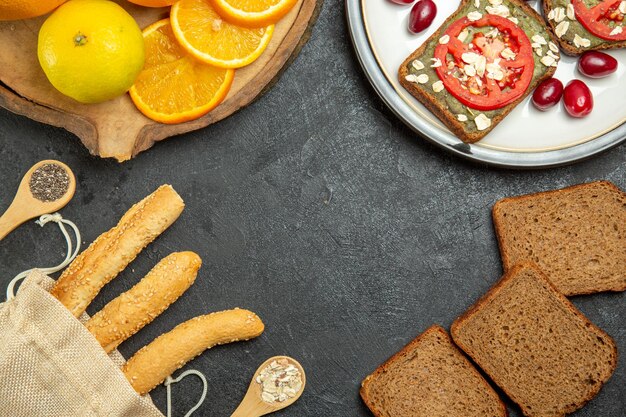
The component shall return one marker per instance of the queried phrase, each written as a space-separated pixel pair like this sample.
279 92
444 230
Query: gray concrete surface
316 208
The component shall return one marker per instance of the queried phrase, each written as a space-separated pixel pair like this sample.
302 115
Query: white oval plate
526 137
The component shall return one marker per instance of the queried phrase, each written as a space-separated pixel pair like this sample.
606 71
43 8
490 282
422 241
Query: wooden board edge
149 135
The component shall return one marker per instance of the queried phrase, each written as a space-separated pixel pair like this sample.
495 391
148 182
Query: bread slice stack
524 333
430 377
535 345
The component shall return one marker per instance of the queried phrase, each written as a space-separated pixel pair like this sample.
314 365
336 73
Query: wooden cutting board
116 129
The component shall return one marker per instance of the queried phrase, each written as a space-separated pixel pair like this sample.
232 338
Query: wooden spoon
25 206
254 406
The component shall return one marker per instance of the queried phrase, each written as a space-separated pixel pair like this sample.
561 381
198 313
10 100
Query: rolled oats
417 64
553 55
469 57
470 70
438 86
548 61
553 47
482 122
507 53
422 78
499 10
463 35
581 42
280 381
561 28
571 15
558 15
474 16
539 39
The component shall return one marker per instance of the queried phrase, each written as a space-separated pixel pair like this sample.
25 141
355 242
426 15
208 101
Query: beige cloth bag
50 365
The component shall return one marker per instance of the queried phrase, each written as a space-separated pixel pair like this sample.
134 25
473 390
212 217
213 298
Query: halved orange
203 33
253 13
174 87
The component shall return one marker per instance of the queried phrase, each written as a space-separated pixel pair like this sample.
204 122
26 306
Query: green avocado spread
530 24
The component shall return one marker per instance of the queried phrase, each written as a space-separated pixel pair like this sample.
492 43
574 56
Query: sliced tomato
482 92
491 50
596 19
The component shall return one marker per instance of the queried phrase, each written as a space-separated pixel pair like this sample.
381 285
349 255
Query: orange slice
173 86
203 33
253 13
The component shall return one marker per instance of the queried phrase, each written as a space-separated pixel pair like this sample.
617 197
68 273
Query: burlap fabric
50 365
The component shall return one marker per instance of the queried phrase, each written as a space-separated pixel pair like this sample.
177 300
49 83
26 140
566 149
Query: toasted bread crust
407 349
507 262
566 46
493 292
433 103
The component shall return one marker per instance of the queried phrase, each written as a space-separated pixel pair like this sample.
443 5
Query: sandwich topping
605 20
487 61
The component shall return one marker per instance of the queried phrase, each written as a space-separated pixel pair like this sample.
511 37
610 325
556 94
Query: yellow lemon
91 50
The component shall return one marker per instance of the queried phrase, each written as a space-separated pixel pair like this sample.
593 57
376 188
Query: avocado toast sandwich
481 63
584 25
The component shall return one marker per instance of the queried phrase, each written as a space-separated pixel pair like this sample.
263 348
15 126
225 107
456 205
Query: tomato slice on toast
486 64
604 20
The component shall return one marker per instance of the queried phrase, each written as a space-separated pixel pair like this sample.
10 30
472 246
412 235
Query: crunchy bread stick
110 253
131 311
171 351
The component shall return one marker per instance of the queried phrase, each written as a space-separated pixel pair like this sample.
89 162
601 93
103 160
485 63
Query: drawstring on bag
169 381
71 251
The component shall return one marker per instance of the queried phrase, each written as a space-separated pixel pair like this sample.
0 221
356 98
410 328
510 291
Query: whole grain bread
430 377
566 41
576 235
535 345
433 102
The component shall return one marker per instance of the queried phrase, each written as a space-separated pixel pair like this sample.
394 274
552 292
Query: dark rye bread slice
430 377
443 104
566 41
535 345
576 235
